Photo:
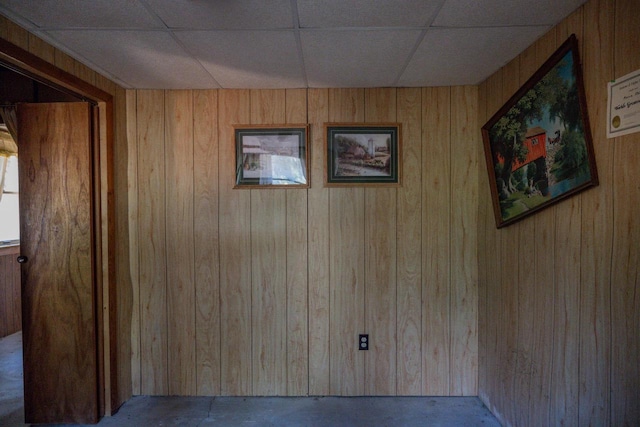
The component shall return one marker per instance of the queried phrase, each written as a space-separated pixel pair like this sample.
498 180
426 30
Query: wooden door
58 292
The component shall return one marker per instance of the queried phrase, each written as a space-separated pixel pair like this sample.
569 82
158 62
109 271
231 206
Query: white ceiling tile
224 15
489 13
290 43
247 59
363 58
460 56
63 14
140 59
370 13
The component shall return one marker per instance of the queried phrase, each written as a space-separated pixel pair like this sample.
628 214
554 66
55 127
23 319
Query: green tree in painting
571 159
508 133
553 96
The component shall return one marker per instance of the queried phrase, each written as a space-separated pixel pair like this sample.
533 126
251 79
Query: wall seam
613 228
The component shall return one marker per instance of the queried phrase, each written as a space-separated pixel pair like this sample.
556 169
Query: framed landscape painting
538 146
363 154
271 156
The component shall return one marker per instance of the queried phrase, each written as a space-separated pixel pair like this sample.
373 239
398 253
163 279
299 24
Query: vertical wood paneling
625 279
42 49
583 367
16 295
409 250
526 280
274 311
346 239
297 263
14 34
597 223
206 241
152 242
564 376
87 74
318 232
508 271
346 263
133 223
380 264
484 230
545 226
235 259
464 224
268 263
567 276
268 245
489 256
4 24
64 62
436 224
181 323
10 298
380 291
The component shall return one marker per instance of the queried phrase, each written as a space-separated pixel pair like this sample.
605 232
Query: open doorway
20 89
10 318
11 372
14 88
9 191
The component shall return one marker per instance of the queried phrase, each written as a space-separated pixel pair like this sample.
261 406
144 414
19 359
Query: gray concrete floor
256 411
11 387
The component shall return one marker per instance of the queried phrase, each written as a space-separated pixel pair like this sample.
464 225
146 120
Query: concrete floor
256 411
11 387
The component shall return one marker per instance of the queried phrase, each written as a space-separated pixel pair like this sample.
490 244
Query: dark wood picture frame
363 154
538 146
272 156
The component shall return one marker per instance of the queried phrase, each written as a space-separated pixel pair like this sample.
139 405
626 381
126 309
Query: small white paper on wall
623 108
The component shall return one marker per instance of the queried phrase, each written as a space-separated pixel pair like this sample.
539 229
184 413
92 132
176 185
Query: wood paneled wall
10 300
264 292
559 292
115 300
241 292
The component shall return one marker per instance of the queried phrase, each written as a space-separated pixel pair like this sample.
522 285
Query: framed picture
363 154
271 156
538 145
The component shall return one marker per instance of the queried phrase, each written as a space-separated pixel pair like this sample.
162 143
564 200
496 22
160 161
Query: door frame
103 225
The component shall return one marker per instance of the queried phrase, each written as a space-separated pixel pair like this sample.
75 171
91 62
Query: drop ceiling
197 44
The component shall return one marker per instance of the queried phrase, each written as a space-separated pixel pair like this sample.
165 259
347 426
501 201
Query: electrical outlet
363 342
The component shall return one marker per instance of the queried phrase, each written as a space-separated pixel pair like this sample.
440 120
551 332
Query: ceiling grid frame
251 44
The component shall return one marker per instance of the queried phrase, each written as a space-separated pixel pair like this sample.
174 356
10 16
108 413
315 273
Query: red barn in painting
535 141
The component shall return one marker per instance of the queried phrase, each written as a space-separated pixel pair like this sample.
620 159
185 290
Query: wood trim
96 206
39 69
10 250
108 223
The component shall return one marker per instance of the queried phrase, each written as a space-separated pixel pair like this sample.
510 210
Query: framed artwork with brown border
363 154
538 146
271 156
